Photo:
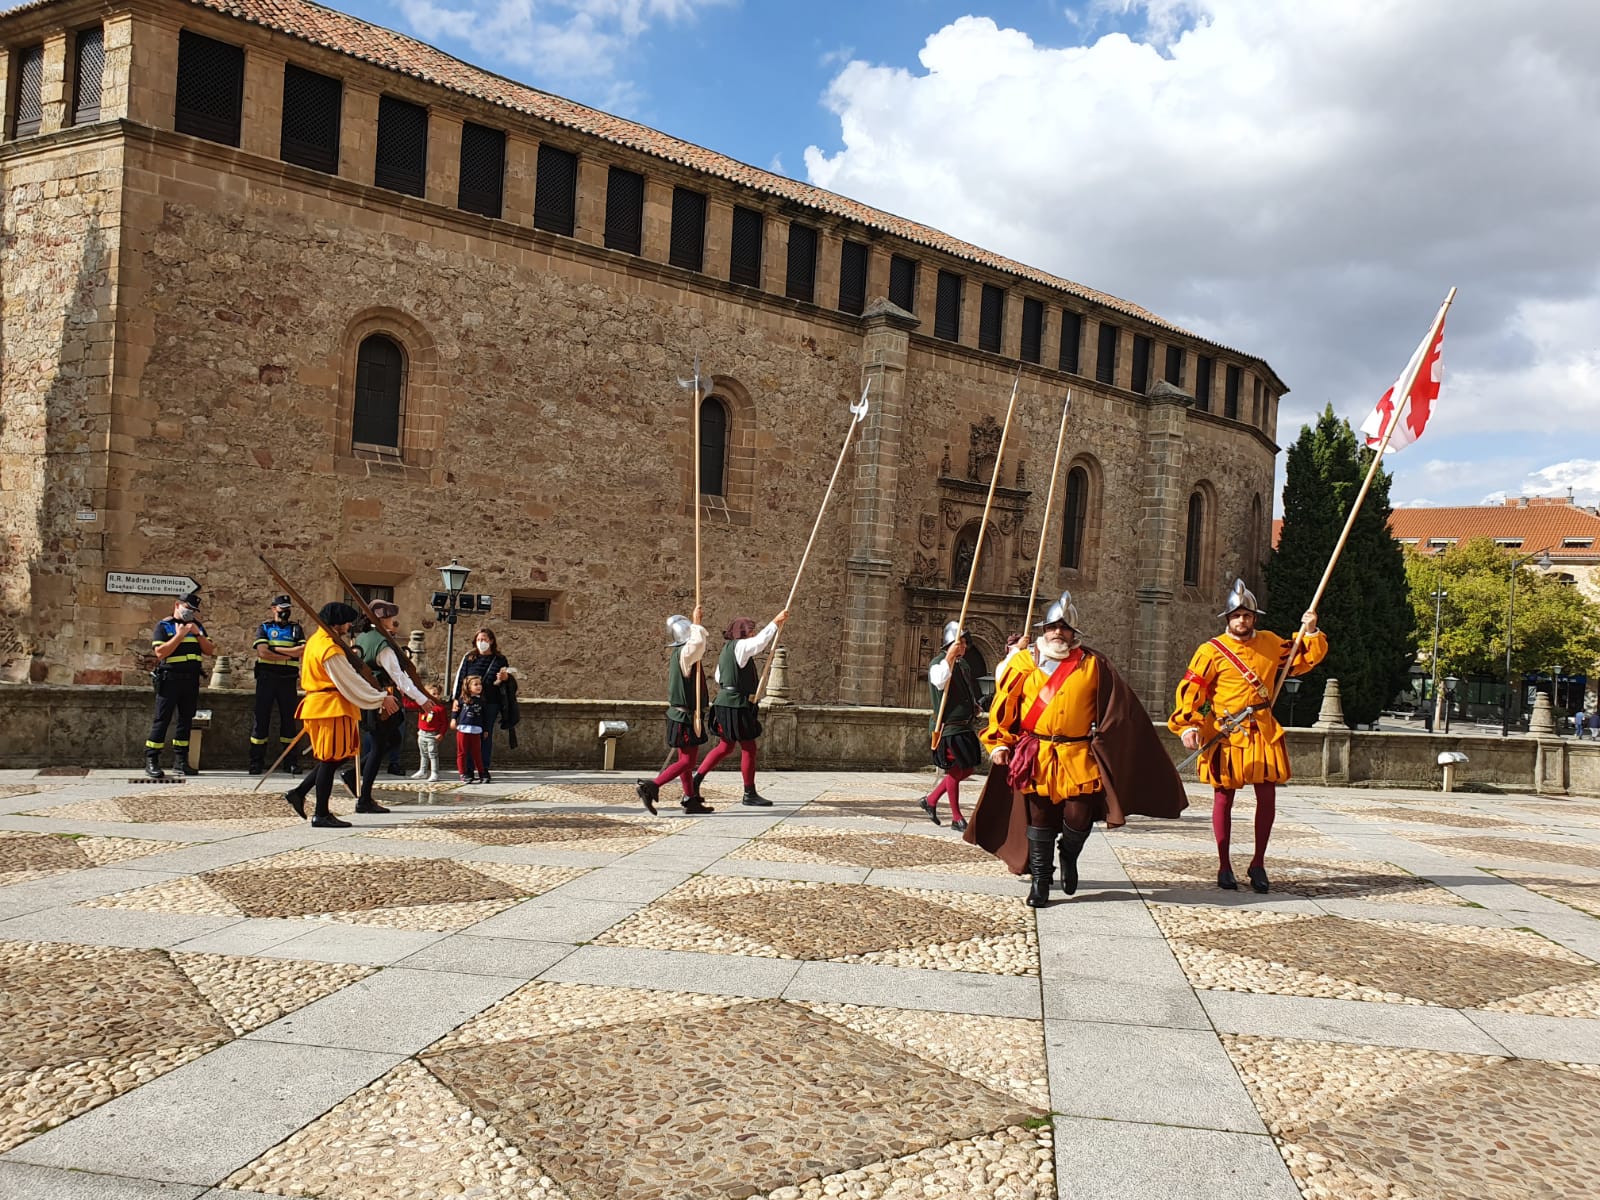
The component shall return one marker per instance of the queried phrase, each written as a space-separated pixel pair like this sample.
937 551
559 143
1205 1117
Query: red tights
469 753
682 770
950 787
1222 820
747 760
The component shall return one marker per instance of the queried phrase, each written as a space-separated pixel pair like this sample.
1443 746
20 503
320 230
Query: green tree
1554 624
1366 611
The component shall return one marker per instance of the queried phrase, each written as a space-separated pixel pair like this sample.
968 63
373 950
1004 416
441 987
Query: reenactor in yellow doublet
1229 684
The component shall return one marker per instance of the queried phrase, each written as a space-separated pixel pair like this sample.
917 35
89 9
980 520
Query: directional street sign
149 585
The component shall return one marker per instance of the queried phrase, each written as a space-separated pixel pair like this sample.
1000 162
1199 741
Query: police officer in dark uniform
279 644
179 643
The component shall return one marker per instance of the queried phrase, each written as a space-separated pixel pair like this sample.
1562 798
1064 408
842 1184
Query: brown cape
1135 769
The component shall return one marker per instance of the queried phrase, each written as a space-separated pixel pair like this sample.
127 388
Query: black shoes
695 806
1041 865
751 797
330 822
931 809
183 764
292 767
394 769
152 764
370 806
1226 881
256 768
296 801
648 792
1072 841
959 825
1258 880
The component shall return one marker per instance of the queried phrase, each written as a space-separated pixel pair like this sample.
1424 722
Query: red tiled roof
1537 526
396 52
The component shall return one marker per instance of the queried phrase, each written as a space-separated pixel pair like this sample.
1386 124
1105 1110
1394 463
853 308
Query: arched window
713 446
1255 558
1075 518
380 394
1193 538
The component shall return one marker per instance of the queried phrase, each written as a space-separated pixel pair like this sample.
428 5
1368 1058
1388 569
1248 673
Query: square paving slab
1311 878
568 831
944 854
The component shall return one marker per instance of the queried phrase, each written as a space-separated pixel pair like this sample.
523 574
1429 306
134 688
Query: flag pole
977 550
1403 394
1049 507
858 415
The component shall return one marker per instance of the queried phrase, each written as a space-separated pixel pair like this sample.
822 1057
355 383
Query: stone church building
277 280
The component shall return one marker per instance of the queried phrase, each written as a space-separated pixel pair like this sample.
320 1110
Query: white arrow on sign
149 585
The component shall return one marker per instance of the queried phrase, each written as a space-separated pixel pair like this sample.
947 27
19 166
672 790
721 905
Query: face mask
483 647
282 614
185 614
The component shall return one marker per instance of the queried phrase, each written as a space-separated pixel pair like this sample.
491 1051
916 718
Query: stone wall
49 725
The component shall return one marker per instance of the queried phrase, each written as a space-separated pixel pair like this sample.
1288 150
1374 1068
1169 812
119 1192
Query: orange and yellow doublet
1065 769
331 721
1214 688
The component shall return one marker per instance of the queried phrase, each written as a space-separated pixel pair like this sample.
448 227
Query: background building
276 279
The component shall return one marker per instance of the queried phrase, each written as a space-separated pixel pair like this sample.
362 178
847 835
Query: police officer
279 644
179 643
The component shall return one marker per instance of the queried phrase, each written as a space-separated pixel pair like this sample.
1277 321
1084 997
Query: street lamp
1511 608
446 604
1438 610
1450 682
1293 685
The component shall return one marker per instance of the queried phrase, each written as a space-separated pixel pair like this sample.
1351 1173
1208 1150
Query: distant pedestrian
1579 720
430 724
179 644
468 724
486 662
279 644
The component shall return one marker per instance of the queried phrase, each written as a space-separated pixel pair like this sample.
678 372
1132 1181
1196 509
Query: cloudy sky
1303 181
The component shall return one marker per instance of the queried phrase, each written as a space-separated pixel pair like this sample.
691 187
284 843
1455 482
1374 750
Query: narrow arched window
1256 559
713 447
380 394
1192 539
1074 518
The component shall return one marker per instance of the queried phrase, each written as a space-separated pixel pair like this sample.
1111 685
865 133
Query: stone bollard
1331 715
778 682
1542 721
415 645
222 672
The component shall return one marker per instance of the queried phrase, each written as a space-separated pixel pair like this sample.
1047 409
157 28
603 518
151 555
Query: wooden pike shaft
1049 507
977 550
279 760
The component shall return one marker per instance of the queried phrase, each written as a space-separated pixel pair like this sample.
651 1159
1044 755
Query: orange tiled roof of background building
1542 522
397 52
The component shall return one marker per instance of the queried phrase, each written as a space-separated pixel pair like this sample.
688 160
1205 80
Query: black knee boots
1041 864
152 764
1072 841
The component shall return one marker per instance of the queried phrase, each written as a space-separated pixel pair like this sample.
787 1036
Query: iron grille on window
1191 541
713 446
624 210
380 393
1105 363
483 170
688 230
30 90
801 280
311 105
555 196
1074 518
1230 397
745 260
1174 373
1071 340
1141 364
1032 329
947 307
530 608
853 277
1204 368
210 88
88 72
903 283
402 163
991 318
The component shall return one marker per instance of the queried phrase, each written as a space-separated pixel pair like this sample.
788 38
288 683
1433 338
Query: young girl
468 724
430 724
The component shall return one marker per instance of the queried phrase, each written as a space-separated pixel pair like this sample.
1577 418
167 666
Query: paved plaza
533 989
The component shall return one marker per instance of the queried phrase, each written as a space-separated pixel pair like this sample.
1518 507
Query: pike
858 414
1049 507
366 610
977 549
699 669
333 637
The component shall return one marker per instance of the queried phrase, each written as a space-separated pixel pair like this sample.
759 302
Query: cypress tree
1366 611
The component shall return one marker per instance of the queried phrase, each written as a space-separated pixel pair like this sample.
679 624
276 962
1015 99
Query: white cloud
1582 475
561 41
1301 181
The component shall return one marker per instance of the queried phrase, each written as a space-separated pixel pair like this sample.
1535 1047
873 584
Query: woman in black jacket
485 661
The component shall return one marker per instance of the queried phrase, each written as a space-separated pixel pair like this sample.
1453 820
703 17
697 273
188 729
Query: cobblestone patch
619 795
836 922
1242 833
25 856
1394 962
400 893
1314 878
1346 1119
891 805
215 808
80 1025
1408 814
1568 854
1572 809
1009 1164
10 790
1582 894
943 855
570 831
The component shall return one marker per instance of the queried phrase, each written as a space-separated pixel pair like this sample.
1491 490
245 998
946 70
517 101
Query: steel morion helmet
678 629
1239 597
1062 611
952 634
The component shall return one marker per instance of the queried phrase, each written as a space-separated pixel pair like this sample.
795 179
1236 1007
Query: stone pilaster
358 134
53 85
261 130
444 159
1161 525
592 176
869 589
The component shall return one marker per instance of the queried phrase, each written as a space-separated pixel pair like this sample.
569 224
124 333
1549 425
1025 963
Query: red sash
1250 676
1052 685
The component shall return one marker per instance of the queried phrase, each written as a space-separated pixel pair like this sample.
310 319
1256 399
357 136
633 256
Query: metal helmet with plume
1239 597
678 629
1062 610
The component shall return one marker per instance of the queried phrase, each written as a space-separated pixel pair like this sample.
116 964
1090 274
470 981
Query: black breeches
179 696
1078 814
